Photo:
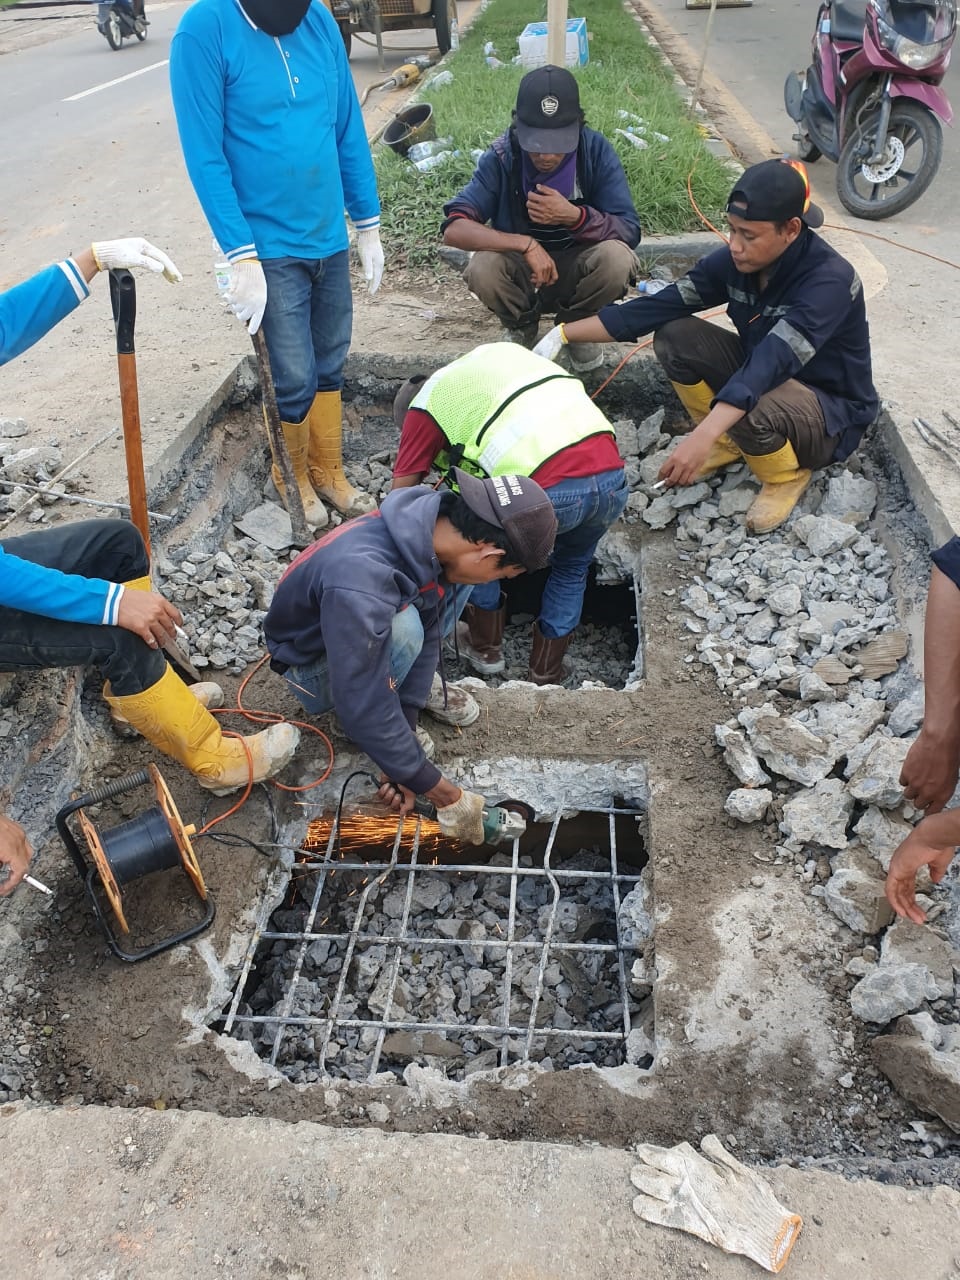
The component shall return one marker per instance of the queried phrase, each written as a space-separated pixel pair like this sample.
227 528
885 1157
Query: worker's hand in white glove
714 1197
370 251
246 295
134 252
551 344
463 819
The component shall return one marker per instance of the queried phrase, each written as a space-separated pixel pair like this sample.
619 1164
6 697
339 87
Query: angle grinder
502 823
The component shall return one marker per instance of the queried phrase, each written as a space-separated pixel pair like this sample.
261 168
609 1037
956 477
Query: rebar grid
401 940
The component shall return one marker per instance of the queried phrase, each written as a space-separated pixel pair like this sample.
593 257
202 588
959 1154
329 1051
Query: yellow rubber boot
784 484
176 723
325 456
208 693
696 398
722 453
295 437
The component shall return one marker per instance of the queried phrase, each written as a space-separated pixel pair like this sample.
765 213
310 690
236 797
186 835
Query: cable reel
157 840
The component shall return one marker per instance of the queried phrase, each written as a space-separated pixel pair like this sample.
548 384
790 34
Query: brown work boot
480 638
546 657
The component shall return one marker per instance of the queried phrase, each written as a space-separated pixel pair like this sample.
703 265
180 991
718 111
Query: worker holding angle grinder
357 622
79 594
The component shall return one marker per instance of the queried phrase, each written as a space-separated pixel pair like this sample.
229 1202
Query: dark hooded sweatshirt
339 598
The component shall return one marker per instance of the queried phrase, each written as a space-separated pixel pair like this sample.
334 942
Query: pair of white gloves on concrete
246 296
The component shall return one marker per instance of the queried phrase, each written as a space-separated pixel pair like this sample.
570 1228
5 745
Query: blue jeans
108 549
310 683
307 327
586 507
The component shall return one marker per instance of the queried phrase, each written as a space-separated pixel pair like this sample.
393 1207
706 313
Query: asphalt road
752 50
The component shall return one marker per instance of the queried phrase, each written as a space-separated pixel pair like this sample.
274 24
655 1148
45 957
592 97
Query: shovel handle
271 416
123 299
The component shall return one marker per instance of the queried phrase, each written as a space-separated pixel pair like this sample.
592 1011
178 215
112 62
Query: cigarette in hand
661 484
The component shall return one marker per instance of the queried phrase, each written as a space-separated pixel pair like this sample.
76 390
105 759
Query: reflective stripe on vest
504 410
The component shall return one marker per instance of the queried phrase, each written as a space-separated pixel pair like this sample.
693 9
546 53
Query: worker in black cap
792 390
357 621
548 215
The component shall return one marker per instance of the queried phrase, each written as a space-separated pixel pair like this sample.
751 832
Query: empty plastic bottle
440 79
434 162
420 150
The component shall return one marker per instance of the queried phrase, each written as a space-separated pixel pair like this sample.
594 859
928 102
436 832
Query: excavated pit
420 950
735 1016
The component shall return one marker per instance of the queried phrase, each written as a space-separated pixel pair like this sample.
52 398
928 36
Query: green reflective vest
506 411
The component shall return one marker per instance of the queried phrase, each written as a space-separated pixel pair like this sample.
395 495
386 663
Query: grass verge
624 73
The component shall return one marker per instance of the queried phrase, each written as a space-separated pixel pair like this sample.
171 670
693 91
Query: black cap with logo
518 506
547 117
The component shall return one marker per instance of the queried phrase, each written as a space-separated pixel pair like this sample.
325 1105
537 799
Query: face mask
276 17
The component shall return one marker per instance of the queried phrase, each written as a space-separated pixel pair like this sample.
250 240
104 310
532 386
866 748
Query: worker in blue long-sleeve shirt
792 389
79 594
276 149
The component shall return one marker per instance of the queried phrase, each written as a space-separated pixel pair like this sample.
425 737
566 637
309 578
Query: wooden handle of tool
123 299
271 414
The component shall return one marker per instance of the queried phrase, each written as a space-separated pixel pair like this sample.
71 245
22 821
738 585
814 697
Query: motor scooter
871 98
116 21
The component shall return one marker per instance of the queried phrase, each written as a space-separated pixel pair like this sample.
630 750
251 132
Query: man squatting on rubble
358 619
549 216
932 766
502 409
79 594
792 390
275 147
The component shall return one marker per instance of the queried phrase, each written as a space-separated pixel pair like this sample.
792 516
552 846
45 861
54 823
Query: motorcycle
871 98
116 21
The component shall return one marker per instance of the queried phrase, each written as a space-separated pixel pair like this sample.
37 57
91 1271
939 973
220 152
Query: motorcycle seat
847 18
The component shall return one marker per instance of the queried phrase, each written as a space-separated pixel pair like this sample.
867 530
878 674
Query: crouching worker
357 621
792 390
79 595
501 408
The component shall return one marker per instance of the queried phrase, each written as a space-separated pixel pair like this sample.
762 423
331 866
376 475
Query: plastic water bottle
494 63
420 150
439 80
649 287
435 161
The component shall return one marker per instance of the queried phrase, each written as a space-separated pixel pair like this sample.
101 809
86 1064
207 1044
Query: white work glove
370 251
134 252
551 343
463 819
246 296
715 1198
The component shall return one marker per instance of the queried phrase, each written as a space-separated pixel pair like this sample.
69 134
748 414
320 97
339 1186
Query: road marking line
108 84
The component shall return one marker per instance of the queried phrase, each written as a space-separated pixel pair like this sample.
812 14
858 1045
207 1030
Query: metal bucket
412 124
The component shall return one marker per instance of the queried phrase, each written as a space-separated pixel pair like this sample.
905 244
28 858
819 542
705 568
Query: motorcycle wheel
447 25
112 31
912 153
807 149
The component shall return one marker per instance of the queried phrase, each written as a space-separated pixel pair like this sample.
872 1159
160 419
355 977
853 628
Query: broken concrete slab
858 900
268 524
924 1074
786 746
873 770
890 990
818 815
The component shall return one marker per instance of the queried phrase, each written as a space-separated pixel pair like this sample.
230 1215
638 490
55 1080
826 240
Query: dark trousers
693 350
108 549
588 278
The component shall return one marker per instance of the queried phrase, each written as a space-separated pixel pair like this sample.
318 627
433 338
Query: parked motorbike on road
117 21
871 98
